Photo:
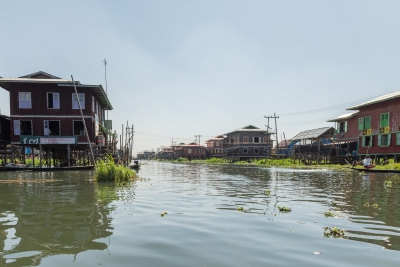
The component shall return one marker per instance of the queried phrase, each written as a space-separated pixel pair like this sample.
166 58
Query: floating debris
334 231
284 209
240 209
329 213
164 213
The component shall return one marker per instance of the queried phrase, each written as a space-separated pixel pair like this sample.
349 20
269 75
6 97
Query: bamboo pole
84 123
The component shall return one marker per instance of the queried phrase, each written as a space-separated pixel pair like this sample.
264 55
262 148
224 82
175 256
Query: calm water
65 219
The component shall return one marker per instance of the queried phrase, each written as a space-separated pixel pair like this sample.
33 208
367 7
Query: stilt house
45 114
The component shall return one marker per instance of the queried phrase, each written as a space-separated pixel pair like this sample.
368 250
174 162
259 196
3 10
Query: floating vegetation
334 231
284 209
388 183
240 209
375 206
164 213
329 213
267 192
108 171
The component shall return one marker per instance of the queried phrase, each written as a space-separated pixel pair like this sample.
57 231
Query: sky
179 68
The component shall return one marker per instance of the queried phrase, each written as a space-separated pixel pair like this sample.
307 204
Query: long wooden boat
46 169
375 170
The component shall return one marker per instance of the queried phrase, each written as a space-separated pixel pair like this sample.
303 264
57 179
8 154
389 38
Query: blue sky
182 68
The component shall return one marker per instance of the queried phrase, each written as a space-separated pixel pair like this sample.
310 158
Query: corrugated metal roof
344 116
315 133
376 100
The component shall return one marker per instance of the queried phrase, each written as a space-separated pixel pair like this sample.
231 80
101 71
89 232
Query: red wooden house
346 135
45 111
214 146
190 151
378 126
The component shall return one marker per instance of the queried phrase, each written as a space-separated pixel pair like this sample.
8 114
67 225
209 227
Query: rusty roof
315 133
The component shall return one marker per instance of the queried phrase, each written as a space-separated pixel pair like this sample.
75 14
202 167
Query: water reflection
66 216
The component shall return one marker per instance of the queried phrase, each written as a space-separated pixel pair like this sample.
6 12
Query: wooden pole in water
84 124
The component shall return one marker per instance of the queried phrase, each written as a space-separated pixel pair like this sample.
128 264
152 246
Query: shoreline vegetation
283 163
107 171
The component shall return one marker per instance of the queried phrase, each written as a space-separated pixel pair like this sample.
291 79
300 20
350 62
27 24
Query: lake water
66 219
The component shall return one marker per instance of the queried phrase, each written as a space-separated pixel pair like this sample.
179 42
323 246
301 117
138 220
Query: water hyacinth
108 171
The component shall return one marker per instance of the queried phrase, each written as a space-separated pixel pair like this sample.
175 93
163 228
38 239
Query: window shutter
345 126
368 122
379 140
21 100
56 100
389 139
74 101
398 139
17 127
360 123
363 141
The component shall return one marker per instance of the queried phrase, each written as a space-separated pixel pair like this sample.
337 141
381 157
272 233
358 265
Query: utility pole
108 106
173 144
275 132
198 136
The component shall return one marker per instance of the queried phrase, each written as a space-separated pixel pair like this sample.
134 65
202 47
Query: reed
107 171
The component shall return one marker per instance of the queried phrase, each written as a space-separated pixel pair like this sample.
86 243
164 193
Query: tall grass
107 171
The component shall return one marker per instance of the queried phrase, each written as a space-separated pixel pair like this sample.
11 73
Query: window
364 123
366 141
384 139
384 120
256 150
245 139
342 127
24 99
51 127
75 104
97 108
22 127
189 151
245 150
93 103
398 139
256 139
78 128
53 100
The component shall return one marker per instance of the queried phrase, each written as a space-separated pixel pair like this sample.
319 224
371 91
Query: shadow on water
46 214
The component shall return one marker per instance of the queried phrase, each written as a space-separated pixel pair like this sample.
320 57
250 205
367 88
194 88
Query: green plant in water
388 183
240 209
284 209
267 192
334 231
329 214
107 171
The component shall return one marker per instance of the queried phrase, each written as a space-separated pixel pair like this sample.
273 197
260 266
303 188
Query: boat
376 170
135 165
14 167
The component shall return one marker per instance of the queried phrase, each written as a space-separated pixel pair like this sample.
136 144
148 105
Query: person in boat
367 162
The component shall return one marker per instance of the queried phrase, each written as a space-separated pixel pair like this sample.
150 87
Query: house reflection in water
38 220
